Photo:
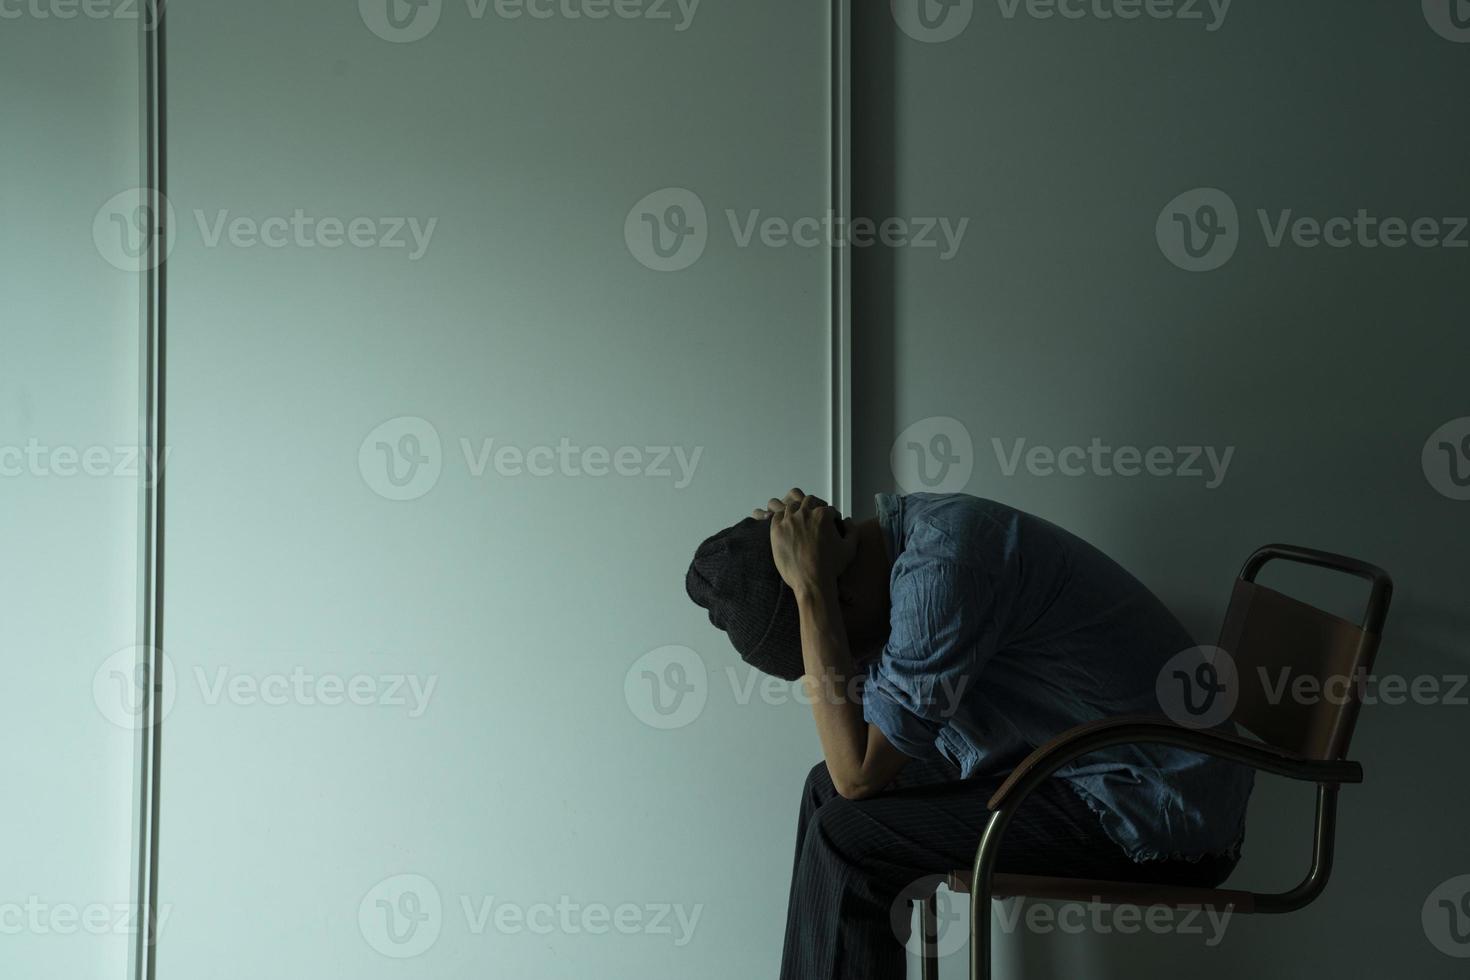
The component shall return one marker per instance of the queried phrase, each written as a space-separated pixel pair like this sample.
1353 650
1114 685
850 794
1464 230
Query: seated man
940 643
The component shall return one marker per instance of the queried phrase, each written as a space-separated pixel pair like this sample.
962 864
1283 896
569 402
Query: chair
1263 632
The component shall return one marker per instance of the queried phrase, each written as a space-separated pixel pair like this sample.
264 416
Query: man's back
1008 630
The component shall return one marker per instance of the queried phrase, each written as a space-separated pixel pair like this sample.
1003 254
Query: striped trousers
859 863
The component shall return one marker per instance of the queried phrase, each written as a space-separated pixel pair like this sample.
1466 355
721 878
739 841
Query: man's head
734 577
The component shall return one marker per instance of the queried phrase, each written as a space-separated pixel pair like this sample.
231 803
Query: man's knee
839 830
819 789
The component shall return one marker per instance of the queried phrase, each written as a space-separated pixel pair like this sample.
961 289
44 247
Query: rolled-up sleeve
910 734
941 628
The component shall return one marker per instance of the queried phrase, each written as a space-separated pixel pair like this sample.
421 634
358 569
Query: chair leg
980 937
981 890
929 936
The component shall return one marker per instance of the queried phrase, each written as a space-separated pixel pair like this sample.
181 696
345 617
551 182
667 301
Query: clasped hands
807 543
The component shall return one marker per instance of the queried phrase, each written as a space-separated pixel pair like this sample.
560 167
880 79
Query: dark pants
858 862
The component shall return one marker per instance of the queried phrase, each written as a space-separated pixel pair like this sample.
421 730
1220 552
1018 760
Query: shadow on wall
874 193
1330 465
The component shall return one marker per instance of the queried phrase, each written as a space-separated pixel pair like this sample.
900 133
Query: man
940 643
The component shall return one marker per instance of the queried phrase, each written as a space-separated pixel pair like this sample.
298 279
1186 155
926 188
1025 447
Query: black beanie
734 577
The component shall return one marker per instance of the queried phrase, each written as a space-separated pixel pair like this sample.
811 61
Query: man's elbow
854 787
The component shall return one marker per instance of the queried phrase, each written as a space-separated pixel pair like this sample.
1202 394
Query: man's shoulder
962 526
956 508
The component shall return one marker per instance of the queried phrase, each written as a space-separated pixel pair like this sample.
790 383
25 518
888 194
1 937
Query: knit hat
734 577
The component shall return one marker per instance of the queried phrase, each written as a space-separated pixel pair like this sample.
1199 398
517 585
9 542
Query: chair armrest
1136 730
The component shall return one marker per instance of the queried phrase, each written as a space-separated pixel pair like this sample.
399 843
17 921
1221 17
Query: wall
68 491
1063 318
579 744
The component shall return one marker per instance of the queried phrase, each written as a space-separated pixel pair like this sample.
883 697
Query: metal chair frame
1329 775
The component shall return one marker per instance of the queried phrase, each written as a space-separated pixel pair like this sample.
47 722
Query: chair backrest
1300 671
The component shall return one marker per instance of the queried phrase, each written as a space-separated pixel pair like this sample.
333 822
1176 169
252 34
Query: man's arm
810 555
860 760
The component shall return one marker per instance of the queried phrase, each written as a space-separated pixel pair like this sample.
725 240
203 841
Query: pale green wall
529 600
68 424
1327 369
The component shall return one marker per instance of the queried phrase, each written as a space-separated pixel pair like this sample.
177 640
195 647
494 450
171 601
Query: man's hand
775 505
808 549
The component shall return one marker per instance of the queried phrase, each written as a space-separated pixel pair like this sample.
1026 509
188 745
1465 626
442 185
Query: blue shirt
1007 631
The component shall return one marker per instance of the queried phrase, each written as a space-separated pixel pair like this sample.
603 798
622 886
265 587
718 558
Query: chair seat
1111 892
